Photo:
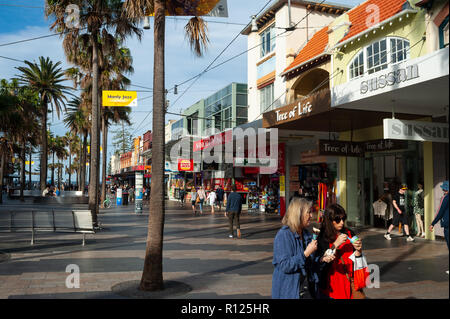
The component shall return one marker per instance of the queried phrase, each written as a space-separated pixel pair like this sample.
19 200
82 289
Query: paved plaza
198 253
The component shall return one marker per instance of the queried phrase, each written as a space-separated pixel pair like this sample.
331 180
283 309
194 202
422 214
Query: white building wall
115 164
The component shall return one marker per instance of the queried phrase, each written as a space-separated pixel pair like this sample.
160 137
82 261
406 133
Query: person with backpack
219 195
202 197
233 211
194 196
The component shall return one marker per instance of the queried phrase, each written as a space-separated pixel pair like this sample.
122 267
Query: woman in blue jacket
296 267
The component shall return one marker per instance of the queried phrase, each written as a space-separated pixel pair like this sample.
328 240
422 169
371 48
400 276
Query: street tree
45 78
152 276
96 18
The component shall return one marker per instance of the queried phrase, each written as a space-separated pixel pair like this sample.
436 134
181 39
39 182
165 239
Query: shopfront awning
316 114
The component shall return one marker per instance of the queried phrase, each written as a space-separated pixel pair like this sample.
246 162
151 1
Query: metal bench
26 193
75 221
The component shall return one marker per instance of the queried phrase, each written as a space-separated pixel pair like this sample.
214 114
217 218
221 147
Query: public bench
66 197
26 193
75 221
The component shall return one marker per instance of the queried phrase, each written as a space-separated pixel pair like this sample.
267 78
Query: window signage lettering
390 79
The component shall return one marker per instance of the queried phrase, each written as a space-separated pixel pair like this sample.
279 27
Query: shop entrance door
385 172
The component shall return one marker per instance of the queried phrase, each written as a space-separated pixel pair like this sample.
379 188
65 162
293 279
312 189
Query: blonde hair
295 213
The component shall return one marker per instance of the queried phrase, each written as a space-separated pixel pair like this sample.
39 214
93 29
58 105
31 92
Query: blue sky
20 20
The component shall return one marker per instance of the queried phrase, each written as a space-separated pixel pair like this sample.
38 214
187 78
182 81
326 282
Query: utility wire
218 56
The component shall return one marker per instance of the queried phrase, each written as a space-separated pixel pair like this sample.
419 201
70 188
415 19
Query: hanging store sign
303 108
340 148
358 149
185 165
384 145
119 98
214 140
415 130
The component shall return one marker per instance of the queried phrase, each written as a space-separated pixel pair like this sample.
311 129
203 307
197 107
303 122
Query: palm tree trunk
83 163
43 173
95 138
2 168
53 168
152 276
22 171
70 166
29 167
104 143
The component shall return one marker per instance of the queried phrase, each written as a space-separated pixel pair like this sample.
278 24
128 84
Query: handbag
357 294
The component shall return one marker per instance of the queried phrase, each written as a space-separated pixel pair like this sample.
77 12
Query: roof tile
359 15
313 48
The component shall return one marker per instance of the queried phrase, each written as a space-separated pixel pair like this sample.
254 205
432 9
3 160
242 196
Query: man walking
233 211
442 214
219 195
399 203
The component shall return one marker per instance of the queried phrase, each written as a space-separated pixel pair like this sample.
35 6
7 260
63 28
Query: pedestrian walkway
197 252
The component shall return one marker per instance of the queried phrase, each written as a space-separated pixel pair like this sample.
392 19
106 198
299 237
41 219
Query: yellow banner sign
119 98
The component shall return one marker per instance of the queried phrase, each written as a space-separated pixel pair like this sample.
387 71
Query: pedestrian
182 195
194 200
399 203
295 275
131 194
419 210
337 255
46 192
202 197
442 214
233 211
219 195
212 200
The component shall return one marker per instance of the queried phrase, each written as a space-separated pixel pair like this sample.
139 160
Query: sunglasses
338 219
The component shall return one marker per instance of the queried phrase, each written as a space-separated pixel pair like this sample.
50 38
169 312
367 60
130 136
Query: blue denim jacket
291 265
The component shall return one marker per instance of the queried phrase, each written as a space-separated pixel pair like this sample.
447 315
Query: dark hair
327 229
233 187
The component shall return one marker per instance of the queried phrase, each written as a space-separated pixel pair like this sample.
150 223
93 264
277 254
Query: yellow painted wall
412 28
428 188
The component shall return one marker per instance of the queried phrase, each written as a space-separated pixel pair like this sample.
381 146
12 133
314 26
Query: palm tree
152 276
97 17
61 154
73 143
76 119
18 121
45 79
116 65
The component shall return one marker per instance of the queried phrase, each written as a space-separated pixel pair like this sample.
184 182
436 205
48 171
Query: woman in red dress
337 253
